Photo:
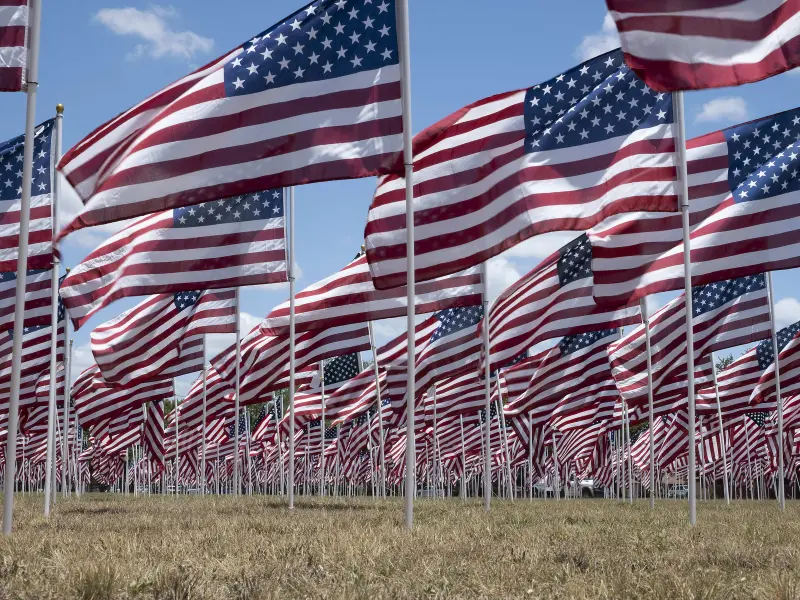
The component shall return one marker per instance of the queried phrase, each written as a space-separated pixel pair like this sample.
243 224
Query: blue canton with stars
579 341
709 297
324 40
250 207
595 101
341 368
764 351
12 275
11 164
186 299
453 320
763 157
575 261
232 428
32 328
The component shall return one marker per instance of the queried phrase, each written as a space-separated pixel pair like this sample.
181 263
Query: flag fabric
788 345
355 396
726 314
735 384
149 338
228 243
13 45
744 202
96 400
515 379
553 300
38 291
40 239
563 155
153 437
349 296
693 45
316 97
265 359
569 375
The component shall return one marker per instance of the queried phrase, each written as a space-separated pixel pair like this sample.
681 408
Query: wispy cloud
601 41
726 108
151 26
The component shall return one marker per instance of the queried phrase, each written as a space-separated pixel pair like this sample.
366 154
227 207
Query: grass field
105 546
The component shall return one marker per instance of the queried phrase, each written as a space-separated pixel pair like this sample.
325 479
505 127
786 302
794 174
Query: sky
99 57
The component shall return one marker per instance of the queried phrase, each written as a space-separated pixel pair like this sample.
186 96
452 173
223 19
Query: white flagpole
52 420
530 456
34 19
203 447
721 434
556 476
463 460
680 144
322 431
177 438
646 323
487 465
381 444
236 397
778 400
408 161
65 441
501 417
291 347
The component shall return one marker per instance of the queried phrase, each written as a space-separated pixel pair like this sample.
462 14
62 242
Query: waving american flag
562 155
315 97
227 243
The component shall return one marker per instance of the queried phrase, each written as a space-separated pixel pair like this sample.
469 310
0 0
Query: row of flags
203 165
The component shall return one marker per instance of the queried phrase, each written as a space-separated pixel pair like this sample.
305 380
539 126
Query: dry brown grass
253 548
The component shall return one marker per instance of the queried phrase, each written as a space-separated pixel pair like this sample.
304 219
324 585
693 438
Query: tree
723 362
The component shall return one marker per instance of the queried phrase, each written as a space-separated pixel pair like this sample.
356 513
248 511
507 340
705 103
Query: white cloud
597 43
501 274
82 359
787 311
541 246
386 330
726 108
159 39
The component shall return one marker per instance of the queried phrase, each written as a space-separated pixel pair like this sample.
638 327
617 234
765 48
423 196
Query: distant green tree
723 362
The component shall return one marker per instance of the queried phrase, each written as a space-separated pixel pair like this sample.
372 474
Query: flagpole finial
59 109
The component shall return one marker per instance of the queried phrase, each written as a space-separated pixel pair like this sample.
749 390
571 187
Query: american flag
314 98
788 345
227 243
96 401
460 395
40 241
735 384
355 395
553 300
454 347
35 358
38 289
570 378
697 44
744 215
242 426
265 359
563 155
153 438
676 439
349 296
514 380
14 47
726 314
160 334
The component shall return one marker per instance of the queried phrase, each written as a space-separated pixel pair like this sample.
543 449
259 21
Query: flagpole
291 347
381 444
203 426
236 395
65 440
322 430
530 456
778 400
501 418
646 323
487 465
680 144
52 425
34 16
408 161
725 483
177 438
463 460
556 477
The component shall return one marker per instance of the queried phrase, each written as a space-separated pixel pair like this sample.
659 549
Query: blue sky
99 57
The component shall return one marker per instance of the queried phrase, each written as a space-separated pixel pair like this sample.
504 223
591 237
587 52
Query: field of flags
565 384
